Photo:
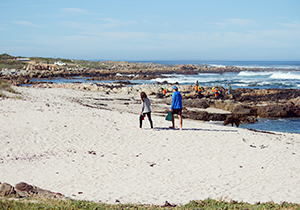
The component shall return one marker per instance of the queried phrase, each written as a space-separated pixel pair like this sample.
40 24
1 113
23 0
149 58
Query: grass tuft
4 86
9 203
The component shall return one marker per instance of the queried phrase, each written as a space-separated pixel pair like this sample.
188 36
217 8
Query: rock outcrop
23 189
6 189
243 103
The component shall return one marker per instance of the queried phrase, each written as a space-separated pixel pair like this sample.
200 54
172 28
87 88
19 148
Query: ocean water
286 125
245 79
290 125
295 65
277 74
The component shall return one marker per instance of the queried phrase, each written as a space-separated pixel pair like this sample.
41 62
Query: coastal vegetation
5 56
50 60
90 64
8 61
13 203
4 86
12 64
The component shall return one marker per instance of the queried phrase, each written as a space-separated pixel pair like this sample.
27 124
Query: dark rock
243 110
249 119
22 186
25 190
274 111
167 204
159 95
6 189
205 116
296 101
270 95
196 103
187 67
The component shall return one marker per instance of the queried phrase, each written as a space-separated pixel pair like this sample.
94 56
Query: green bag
169 117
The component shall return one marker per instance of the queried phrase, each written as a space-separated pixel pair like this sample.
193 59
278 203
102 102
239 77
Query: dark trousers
149 118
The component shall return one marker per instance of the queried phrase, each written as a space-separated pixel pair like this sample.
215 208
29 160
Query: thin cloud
73 24
111 22
102 24
25 23
219 25
294 25
230 22
239 22
119 35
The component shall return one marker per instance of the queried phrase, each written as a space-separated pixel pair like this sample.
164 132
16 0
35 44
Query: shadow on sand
194 129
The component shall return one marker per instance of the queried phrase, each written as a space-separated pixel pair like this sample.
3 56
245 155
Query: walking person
145 110
164 91
229 89
176 107
216 91
196 86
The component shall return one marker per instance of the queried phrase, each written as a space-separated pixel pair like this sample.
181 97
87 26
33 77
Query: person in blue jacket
176 107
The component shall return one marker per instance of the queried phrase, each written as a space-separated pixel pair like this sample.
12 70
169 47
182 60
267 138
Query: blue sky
152 30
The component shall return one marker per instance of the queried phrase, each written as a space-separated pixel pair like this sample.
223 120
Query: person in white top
146 110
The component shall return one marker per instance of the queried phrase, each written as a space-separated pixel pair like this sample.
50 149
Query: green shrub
79 204
7 87
11 64
5 56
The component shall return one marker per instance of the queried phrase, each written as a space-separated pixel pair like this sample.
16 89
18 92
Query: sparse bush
208 204
5 86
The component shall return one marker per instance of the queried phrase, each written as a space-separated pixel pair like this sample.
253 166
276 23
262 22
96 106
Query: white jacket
146 106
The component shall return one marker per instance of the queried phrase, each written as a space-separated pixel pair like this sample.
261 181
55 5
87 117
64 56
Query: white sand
86 153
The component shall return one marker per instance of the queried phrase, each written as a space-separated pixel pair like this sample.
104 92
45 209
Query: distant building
22 59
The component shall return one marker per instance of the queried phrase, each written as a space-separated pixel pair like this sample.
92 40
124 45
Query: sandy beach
51 139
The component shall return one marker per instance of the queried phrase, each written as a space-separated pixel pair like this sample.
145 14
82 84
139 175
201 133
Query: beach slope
51 140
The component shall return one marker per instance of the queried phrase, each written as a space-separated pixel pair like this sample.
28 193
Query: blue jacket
177 100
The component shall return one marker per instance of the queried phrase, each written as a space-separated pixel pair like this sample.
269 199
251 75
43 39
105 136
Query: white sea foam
201 78
287 75
240 85
208 74
128 75
254 67
245 79
261 67
251 73
264 83
217 65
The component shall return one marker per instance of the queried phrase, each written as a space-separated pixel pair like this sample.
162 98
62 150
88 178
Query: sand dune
51 140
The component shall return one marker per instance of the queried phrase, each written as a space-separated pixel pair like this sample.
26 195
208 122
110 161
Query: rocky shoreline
108 70
245 104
